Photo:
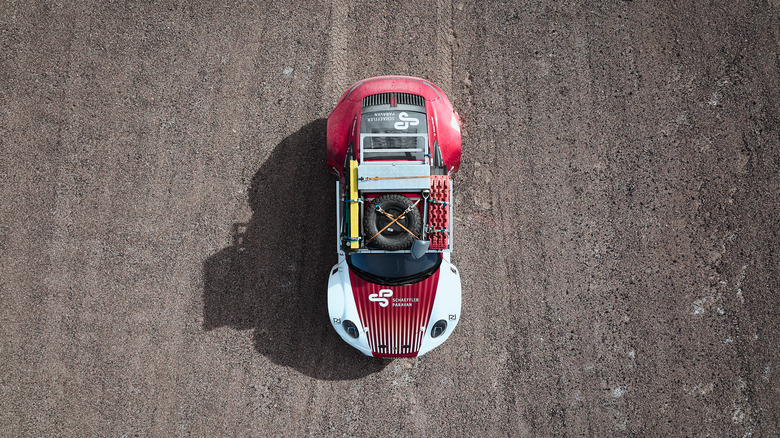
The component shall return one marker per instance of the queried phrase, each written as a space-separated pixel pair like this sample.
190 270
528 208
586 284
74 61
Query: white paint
287 70
381 297
405 121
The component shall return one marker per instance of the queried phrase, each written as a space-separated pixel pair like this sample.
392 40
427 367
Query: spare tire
393 237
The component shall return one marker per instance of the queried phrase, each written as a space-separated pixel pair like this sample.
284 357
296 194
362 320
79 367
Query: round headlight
438 328
350 328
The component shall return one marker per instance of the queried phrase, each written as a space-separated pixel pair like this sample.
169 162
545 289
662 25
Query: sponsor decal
406 121
404 302
381 297
382 117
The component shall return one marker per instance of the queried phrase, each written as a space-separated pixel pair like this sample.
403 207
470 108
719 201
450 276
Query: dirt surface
166 219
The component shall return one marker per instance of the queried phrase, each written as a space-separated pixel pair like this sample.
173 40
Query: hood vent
389 98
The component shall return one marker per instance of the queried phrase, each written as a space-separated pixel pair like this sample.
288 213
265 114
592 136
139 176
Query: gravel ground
166 219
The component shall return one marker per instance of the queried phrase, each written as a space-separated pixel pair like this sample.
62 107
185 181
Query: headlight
438 328
351 328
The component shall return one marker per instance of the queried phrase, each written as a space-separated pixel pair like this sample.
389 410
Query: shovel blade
419 248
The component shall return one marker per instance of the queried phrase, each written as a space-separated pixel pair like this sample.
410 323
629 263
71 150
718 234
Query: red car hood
396 316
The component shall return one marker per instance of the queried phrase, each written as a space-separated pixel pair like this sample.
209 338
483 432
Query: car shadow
273 278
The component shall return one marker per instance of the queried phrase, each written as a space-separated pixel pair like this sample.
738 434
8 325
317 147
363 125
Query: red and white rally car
394 142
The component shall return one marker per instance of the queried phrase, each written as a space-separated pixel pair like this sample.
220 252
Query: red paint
438 108
395 326
438 214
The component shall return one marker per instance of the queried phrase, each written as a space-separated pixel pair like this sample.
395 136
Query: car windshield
394 269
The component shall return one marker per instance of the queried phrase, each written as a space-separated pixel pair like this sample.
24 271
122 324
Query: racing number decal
405 122
381 297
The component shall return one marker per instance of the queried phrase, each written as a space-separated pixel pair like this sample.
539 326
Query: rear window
394 147
393 122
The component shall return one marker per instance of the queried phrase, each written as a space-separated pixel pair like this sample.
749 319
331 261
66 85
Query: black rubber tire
394 237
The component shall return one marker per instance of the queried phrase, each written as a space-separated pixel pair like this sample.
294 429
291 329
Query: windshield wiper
399 281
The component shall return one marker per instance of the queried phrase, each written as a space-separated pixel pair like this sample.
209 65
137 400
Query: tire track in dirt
445 38
336 73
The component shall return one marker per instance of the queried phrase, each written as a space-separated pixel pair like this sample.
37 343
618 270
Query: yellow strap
354 213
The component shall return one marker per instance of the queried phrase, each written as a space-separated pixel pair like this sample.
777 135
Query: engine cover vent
393 99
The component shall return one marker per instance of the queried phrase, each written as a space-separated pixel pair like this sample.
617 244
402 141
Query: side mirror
419 248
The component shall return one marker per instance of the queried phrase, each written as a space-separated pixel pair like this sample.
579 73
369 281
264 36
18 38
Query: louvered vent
401 99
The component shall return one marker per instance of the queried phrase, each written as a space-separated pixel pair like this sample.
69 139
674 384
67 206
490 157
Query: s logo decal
405 121
381 297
